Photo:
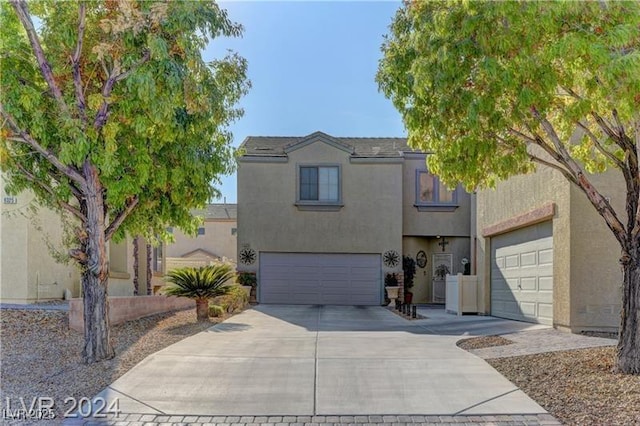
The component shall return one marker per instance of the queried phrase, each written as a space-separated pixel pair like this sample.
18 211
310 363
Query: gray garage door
522 274
320 278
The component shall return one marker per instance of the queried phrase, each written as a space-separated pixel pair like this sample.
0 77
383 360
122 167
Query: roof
279 146
200 253
218 211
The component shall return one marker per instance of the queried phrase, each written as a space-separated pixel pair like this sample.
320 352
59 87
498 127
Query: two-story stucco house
323 219
216 238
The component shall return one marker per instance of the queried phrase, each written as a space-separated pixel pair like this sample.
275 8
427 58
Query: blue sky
312 66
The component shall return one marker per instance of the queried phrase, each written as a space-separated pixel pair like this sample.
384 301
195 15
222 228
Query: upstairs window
430 192
319 184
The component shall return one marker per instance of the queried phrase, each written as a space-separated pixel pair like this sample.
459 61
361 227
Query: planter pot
408 297
392 292
247 288
391 295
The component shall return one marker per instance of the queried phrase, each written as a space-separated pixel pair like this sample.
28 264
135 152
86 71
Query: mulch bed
578 387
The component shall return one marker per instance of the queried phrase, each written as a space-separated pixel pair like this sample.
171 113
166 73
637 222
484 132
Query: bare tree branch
619 124
115 76
554 166
521 135
24 137
79 256
600 147
22 10
75 65
608 130
39 183
539 141
601 204
571 92
113 227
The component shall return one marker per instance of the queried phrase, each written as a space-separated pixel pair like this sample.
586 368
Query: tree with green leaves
111 115
495 88
200 284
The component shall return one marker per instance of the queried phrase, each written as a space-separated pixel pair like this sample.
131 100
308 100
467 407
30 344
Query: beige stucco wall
596 276
369 222
121 273
586 273
519 195
431 223
28 272
217 239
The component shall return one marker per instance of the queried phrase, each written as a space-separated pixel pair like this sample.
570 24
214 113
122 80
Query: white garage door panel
522 274
320 278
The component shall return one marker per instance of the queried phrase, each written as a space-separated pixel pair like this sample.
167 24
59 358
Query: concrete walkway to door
278 362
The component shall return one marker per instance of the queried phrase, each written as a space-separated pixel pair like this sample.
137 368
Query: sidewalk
56 305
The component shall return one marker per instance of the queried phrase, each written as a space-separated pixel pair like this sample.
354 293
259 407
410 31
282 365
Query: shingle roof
278 146
218 211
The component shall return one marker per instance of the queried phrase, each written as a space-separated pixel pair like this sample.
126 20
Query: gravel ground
483 342
40 355
578 387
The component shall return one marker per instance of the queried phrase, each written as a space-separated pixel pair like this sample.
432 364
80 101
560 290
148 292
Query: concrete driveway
324 360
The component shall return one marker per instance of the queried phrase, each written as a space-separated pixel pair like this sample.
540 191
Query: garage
320 279
522 274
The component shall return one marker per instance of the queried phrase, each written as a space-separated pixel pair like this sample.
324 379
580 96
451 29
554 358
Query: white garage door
522 274
320 279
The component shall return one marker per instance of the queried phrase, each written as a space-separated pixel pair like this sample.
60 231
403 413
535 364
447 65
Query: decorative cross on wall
443 243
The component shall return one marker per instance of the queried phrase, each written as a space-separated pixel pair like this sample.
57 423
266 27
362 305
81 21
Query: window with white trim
431 192
319 183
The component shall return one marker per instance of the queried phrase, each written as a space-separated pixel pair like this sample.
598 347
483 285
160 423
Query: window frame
434 205
323 205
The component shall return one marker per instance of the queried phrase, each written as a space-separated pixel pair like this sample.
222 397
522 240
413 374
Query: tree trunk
149 269
136 271
629 341
97 344
202 309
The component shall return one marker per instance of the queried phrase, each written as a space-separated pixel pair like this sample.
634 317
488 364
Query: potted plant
409 269
391 288
249 282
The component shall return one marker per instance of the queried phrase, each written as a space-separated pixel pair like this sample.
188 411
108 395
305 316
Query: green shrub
235 300
216 310
200 284
247 278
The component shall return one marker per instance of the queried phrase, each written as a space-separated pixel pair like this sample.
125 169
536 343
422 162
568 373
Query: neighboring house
546 254
216 238
322 219
28 271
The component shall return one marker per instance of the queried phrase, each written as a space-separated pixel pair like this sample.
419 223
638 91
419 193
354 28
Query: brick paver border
356 420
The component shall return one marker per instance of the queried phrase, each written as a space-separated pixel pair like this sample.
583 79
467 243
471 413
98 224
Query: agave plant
200 284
